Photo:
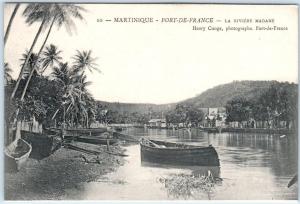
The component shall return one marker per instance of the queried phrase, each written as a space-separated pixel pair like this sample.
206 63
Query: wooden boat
16 155
96 140
85 131
178 154
43 145
125 137
80 131
119 129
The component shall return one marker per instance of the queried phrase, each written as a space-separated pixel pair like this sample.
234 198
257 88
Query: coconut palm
61 14
34 13
33 61
7 73
77 101
10 22
51 56
84 60
88 106
70 86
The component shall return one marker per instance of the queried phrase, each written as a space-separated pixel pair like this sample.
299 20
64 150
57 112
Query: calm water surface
253 166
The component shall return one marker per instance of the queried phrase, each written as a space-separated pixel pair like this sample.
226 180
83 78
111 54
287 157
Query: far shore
231 129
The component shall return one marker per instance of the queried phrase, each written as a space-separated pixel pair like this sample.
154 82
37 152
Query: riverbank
50 178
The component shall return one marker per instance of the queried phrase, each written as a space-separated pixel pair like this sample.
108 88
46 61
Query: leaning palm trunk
34 66
27 59
22 71
10 22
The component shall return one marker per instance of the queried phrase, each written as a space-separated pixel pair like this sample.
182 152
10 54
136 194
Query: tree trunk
10 22
287 124
27 58
34 66
87 121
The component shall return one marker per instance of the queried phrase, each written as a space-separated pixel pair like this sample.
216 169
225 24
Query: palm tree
84 60
33 13
67 80
7 73
50 57
87 106
77 102
33 61
61 14
10 22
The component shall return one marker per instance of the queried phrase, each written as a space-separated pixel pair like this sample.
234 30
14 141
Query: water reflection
253 166
258 166
195 170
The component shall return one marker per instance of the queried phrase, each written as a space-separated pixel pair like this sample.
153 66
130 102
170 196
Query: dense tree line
61 96
186 114
278 103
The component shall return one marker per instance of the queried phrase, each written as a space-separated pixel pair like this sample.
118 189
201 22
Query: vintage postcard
150 101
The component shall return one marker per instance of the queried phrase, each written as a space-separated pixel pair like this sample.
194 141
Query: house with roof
157 123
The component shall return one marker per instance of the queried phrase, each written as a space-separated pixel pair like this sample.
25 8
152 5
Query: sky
164 62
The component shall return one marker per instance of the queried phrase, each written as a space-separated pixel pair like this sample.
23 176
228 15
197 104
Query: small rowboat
43 145
96 140
16 155
85 131
178 154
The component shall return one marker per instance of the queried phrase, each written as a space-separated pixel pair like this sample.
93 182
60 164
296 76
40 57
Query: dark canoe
119 129
125 137
81 131
95 140
16 155
178 154
43 145
85 131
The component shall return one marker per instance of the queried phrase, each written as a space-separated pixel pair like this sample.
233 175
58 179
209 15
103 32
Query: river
253 166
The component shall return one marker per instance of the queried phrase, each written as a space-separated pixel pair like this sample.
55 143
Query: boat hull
43 145
180 154
86 131
95 140
125 137
13 162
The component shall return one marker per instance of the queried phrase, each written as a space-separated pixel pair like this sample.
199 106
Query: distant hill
219 95
214 97
137 107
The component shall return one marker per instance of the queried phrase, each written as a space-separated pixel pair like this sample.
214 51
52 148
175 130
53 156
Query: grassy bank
53 177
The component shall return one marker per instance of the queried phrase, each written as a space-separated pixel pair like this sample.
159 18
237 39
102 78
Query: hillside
137 107
219 95
214 97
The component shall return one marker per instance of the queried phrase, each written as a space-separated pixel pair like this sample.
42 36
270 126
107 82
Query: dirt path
53 177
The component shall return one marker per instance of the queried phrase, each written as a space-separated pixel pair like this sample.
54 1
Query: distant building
212 111
214 117
159 123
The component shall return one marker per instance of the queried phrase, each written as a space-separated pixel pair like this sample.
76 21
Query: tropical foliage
61 98
188 115
278 103
33 65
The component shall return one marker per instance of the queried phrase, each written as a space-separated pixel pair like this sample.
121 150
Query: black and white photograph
172 102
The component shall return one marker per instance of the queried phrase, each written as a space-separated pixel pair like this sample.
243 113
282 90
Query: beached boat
81 131
95 140
43 145
119 129
125 137
16 155
177 153
86 131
